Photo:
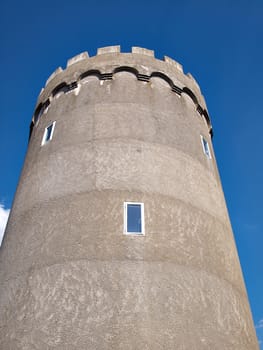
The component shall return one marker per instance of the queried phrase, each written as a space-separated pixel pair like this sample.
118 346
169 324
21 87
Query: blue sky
219 42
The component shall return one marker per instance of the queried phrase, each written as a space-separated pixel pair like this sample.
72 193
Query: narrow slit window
48 134
206 147
133 218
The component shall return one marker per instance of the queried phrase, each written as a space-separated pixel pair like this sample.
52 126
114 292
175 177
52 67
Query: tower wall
128 129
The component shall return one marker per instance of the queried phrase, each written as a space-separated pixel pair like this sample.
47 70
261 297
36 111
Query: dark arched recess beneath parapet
126 69
190 94
202 111
164 77
31 127
40 110
206 116
62 87
94 72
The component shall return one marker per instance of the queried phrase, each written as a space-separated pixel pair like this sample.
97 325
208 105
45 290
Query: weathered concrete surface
69 278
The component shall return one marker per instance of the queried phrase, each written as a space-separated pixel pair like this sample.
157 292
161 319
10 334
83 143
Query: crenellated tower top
110 60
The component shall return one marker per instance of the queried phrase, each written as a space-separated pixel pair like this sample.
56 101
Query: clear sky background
219 42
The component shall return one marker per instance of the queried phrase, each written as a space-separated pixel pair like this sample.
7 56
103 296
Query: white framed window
133 218
48 133
206 147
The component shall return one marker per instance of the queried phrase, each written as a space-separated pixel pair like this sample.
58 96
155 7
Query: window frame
125 228
204 144
44 140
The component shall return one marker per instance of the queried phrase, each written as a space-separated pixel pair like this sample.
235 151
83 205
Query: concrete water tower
119 236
